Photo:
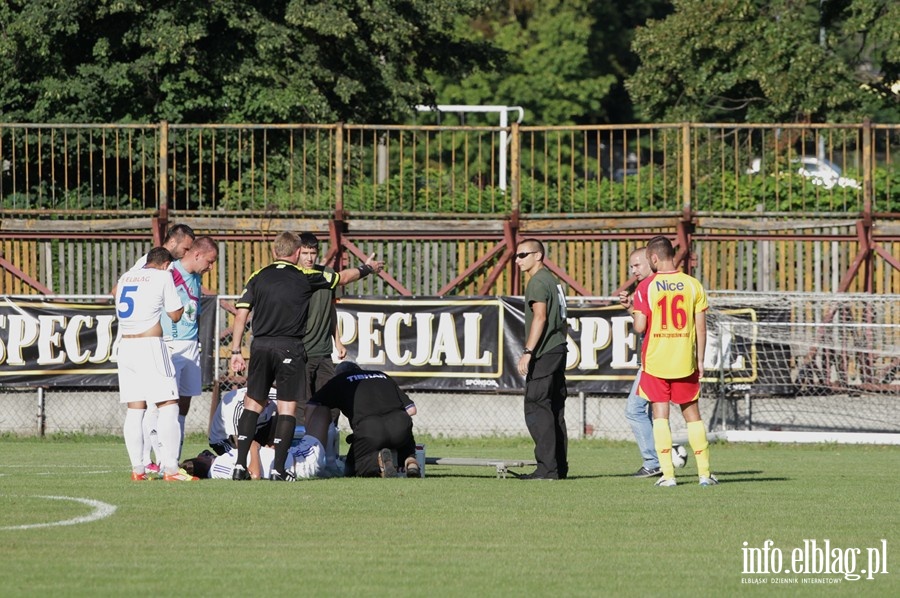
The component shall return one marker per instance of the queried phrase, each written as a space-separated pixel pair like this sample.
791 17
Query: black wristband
235 351
527 351
365 270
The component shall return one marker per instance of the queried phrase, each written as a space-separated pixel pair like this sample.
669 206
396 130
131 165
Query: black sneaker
643 472
240 473
277 476
386 464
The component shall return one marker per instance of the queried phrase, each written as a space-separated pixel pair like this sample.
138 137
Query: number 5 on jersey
125 305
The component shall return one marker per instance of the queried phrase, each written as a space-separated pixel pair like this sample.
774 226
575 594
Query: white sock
134 438
167 430
150 439
154 441
332 444
181 419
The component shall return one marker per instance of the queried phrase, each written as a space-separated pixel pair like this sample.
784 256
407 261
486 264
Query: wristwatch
527 351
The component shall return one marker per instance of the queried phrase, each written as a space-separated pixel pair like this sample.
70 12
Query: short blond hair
286 244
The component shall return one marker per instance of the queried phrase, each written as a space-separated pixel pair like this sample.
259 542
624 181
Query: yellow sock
697 437
662 437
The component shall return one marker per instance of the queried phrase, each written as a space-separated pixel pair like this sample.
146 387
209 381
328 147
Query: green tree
549 68
769 61
611 50
229 60
567 59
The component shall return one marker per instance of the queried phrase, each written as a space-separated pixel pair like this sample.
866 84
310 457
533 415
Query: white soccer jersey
225 421
223 466
142 296
307 458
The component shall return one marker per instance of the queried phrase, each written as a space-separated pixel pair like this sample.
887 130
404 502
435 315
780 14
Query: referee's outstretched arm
371 266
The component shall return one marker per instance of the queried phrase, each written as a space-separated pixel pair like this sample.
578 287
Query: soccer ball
679 455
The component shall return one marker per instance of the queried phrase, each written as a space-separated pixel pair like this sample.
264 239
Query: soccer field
72 523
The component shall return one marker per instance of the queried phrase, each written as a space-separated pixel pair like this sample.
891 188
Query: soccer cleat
412 469
710 481
643 472
277 476
180 476
153 472
240 473
386 464
666 482
138 477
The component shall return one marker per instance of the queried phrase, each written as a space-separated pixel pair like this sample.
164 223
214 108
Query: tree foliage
566 59
769 61
548 71
229 60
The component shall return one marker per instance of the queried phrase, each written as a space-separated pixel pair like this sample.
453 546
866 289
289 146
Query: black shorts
280 362
319 370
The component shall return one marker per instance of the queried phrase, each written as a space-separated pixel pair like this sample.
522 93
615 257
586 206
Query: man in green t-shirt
321 328
543 363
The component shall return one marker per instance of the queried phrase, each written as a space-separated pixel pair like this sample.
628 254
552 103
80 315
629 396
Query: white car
820 171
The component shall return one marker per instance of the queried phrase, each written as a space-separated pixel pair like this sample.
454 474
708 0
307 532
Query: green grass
459 532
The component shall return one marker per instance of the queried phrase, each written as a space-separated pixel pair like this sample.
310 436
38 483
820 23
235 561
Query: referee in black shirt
279 296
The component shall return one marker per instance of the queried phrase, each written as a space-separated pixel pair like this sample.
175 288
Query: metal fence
787 207
36 411
487 170
816 259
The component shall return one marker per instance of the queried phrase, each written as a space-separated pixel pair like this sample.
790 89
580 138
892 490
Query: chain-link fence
852 388
35 411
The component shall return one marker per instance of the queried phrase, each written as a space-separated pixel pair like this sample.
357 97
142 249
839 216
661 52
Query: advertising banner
473 344
70 343
466 344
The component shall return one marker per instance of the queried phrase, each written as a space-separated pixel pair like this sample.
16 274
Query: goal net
805 362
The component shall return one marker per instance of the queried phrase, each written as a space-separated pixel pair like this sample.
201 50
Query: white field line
101 510
59 471
47 466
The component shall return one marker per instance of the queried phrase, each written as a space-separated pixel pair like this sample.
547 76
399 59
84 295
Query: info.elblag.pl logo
813 557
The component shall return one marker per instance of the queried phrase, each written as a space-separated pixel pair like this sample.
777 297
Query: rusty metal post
685 225
339 172
868 181
162 219
515 204
686 167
